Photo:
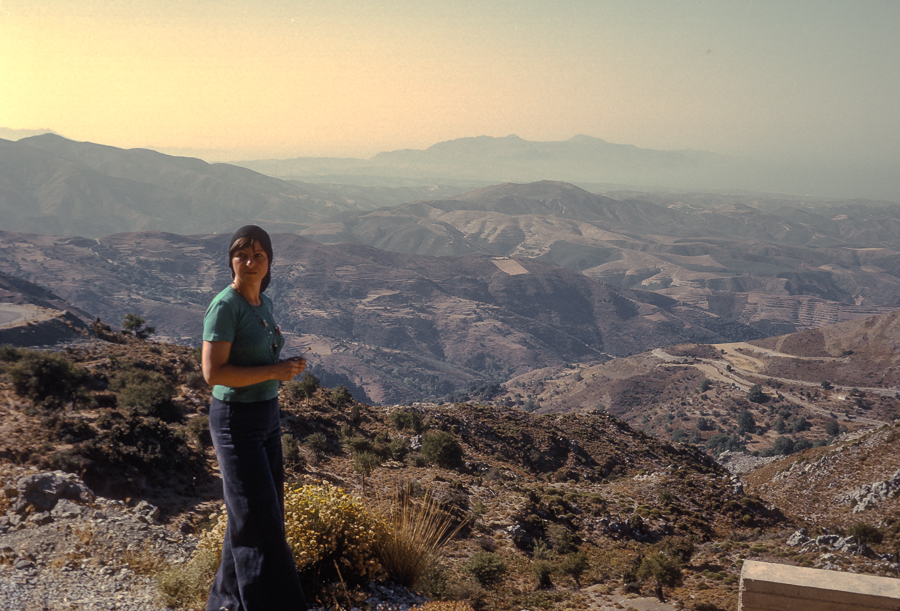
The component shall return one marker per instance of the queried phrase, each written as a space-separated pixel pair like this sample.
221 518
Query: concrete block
780 587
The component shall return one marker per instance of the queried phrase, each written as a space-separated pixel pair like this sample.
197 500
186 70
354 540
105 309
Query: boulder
42 491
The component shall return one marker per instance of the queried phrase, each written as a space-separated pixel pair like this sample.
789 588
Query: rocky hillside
401 327
31 315
809 386
803 264
562 506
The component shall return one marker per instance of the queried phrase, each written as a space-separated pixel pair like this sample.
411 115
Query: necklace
271 338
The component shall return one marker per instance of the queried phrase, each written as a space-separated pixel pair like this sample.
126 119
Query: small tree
134 325
745 422
340 396
866 534
364 463
780 425
756 394
800 424
290 448
308 385
832 428
560 538
317 444
666 571
782 445
574 565
408 419
487 567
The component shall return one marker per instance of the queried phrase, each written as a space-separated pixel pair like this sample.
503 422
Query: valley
583 357
401 327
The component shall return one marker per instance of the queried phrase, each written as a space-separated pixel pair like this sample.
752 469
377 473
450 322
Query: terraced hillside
810 385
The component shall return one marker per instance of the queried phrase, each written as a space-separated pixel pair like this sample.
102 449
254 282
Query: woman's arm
216 369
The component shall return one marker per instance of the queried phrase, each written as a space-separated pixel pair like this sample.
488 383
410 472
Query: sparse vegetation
49 380
136 325
442 449
408 420
487 567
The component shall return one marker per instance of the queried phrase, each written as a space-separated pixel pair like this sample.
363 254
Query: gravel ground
64 554
108 588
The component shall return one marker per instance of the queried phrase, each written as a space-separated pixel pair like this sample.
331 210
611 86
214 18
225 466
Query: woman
241 348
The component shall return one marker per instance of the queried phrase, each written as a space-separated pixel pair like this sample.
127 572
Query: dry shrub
417 531
143 560
187 586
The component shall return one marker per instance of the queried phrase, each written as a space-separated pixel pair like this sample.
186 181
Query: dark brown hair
248 236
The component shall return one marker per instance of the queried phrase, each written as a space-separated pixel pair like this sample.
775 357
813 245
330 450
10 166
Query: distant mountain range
591 163
56 186
512 159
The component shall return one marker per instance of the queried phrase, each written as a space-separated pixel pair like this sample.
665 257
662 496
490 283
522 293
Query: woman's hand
289 368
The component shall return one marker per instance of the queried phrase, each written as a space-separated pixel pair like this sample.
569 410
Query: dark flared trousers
257 572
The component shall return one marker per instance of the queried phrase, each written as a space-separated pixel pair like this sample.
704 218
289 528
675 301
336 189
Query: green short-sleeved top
231 318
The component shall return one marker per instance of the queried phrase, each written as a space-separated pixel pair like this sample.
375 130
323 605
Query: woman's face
250 264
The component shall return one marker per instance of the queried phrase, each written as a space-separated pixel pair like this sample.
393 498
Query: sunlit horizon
805 82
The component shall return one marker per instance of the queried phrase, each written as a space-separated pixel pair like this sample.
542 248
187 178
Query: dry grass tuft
187 586
143 561
418 529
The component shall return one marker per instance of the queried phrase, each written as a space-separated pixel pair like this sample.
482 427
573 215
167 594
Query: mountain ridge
403 326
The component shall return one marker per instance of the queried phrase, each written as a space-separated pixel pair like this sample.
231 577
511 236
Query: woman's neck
250 293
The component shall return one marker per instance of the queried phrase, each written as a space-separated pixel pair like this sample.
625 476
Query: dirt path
735 355
15 315
616 601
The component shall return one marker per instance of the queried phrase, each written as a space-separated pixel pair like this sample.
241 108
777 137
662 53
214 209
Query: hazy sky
802 79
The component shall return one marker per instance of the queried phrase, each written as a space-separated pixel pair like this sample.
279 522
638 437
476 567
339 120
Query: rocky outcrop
741 462
40 492
869 495
833 544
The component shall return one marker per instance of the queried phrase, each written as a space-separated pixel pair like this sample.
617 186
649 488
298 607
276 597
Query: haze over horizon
809 84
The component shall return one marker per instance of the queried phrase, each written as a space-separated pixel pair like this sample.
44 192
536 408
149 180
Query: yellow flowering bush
211 539
327 529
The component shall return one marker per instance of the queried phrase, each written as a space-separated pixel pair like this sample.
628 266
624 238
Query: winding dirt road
739 356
